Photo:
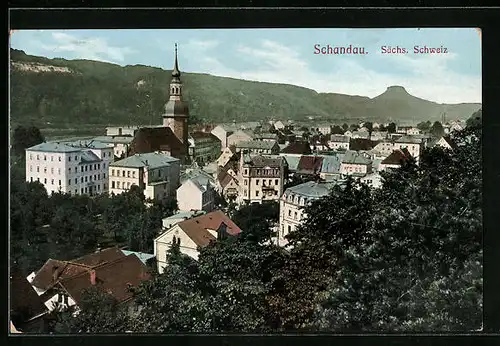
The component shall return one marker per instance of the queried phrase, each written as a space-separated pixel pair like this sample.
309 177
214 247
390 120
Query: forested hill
59 93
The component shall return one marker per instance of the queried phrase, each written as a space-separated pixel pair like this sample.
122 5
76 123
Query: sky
287 56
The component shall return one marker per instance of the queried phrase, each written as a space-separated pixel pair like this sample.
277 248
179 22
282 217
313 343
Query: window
258 172
246 171
76 158
45 157
90 167
289 212
98 166
95 166
246 182
86 190
270 182
90 178
85 179
76 180
133 174
44 169
257 182
59 298
31 169
276 181
69 181
104 186
128 174
112 184
31 157
81 168
245 193
112 172
38 157
295 216
256 193
51 158
69 170
276 193
117 184
86 168
37 179
289 228
38 169
52 170
123 174
99 176
99 187
45 181
128 185
104 175
76 191
81 190
69 159
59 159
81 179
52 181
59 182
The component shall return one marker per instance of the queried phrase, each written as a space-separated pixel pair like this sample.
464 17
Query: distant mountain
62 93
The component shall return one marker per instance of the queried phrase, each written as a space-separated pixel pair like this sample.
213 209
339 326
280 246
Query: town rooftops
88 156
409 139
266 135
198 135
361 144
144 257
264 145
182 215
310 164
24 301
339 139
292 161
150 139
197 228
115 139
88 144
312 189
152 160
53 147
299 147
396 157
331 163
265 160
355 158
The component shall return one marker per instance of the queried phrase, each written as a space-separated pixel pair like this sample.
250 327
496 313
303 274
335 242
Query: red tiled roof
396 157
24 301
226 180
310 164
297 148
113 277
196 228
44 278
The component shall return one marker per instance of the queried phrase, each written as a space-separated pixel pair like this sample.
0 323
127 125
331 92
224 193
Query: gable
177 232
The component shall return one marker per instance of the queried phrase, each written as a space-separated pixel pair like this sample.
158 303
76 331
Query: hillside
70 94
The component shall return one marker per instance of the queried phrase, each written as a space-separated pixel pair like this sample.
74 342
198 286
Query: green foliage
256 221
97 94
391 128
476 119
98 312
337 130
437 129
25 137
424 126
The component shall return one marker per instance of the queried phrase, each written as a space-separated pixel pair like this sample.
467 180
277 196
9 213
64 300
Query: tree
391 128
382 128
424 126
354 127
25 137
98 312
257 220
369 126
475 119
437 129
337 130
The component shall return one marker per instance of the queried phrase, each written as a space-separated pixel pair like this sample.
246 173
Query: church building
172 137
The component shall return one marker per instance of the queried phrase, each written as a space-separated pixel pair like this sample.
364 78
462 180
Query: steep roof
267 160
310 164
339 138
197 228
152 160
23 298
53 147
408 139
149 139
44 278
355 158
396 157
265 145
312 189
298 147
89 156
113 277
331 163
292 162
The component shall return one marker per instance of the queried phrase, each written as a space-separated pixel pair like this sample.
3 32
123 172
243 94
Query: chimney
92 277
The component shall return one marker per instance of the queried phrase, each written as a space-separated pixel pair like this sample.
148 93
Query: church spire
175 72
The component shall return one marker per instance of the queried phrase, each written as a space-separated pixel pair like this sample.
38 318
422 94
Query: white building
239 136
337 142
355 163
193 233
294 200
372 179
260 178
412 144
156 173
197 191
121 144
383 149
226 155
73 167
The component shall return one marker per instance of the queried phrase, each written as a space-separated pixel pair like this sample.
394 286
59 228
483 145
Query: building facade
76 168
204 147
197 191
155 173
413 145
355 163
337 142
258 147
261 178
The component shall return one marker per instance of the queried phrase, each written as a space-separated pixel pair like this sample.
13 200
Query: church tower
176 112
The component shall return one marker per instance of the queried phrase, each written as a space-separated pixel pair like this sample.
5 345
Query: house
361 144
112 131
226 155
120 144
324 129
297 148
197 192
403 129
360 134
76 168
222 132
192 234
27 310
157 174
203 147
286 136
444 142
266 136
145 258
378 135
337 142
260 178
373 180
227 185
348 134
383 148
330 168
158 139
412 144
294 200
173 220
355 163
292 161
412 131
279 125
259 147
309 165
240 136
61 283
395 159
